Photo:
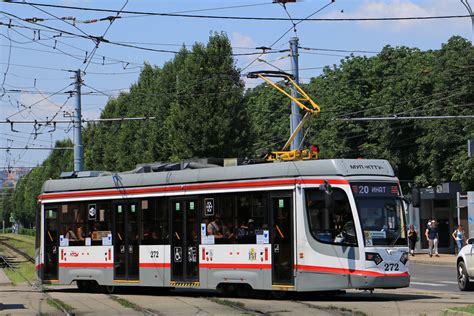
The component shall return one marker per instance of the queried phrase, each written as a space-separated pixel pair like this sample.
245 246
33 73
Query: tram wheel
278 295
83 285
243 290
108 289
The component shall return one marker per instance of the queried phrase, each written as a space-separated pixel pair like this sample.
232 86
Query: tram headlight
373 256
404 258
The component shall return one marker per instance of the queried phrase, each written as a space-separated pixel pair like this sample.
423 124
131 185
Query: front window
381 213
330 217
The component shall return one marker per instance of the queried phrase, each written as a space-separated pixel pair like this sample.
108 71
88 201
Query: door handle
130 249
276 248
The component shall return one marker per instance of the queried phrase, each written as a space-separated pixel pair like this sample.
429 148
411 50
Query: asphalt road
433 277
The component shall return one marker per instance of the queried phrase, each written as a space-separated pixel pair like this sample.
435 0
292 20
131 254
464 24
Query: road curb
434 263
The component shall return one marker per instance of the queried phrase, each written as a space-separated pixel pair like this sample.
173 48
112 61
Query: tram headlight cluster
404 258
373 256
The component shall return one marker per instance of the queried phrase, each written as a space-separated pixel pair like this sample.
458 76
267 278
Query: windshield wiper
395 239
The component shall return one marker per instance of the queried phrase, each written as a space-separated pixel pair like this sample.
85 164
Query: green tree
208 116
28 188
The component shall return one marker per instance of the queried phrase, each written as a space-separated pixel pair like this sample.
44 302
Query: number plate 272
391 267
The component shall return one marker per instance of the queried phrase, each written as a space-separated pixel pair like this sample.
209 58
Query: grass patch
126 303
226 302
25 269
466 309
22 242
22 270
58 304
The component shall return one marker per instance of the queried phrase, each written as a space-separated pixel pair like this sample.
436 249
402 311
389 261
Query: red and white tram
292 226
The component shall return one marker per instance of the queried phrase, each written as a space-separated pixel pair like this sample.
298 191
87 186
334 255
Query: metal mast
295 111
78 149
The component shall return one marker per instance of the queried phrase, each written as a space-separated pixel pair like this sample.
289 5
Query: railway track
18 251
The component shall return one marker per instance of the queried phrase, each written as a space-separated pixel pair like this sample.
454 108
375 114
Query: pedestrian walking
412 239
431 234
459 236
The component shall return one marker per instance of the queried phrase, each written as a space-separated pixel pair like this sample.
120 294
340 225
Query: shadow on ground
337 296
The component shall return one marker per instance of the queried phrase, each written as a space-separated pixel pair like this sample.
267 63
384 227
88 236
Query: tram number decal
154 254
391 267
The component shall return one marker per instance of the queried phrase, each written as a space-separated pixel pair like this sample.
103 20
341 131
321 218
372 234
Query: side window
330 217
218 216
155 222
99 221
251 216
236 218
73 226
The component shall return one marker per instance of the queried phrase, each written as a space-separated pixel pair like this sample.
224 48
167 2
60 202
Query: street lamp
469 9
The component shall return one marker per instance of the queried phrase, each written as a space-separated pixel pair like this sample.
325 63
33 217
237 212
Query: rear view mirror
470 241
328 197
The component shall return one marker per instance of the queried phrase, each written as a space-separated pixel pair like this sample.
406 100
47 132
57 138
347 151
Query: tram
316 225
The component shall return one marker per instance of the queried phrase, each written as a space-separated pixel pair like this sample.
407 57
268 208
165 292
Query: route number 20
391 267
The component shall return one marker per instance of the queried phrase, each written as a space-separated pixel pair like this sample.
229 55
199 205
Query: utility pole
78 150
295 110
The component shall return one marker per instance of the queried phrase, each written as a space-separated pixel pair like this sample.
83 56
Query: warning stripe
185 284
348 271
190 187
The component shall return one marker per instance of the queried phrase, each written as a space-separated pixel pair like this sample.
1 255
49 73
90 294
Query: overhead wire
286 32
145 13
103 35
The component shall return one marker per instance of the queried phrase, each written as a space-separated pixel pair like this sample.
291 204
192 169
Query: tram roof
289 169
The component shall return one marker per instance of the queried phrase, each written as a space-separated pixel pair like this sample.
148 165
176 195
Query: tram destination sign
374 189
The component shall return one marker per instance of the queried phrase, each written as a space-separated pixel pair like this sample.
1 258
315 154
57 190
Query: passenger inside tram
70 234
215 228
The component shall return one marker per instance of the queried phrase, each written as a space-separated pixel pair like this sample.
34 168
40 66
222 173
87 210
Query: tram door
282 236
185 240
126 246
51 244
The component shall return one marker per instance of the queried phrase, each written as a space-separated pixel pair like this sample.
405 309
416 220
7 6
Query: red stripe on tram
234 266
155 265
348 271
322 181
190 187
85 265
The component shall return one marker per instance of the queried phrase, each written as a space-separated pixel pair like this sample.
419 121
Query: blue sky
36 66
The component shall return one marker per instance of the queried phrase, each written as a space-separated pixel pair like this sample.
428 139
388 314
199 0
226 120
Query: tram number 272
391 266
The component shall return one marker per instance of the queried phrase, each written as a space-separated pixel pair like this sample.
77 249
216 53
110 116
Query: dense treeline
23 202
202 110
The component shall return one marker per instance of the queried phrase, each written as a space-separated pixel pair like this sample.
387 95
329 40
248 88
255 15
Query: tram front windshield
381 213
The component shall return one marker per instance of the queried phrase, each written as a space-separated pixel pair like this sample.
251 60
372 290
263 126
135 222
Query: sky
35 67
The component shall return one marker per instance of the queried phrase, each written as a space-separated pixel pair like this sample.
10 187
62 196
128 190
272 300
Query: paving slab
399 302
181 305
443 259
24 300
4 280
89 303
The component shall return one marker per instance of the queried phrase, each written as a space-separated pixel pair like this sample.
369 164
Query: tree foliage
28 188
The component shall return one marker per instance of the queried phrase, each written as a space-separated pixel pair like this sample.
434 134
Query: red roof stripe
189 187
